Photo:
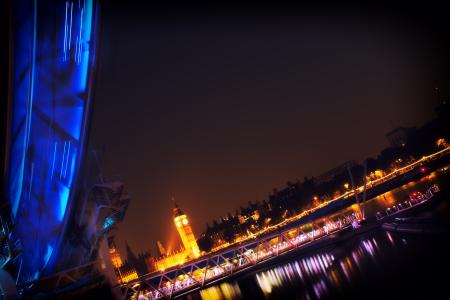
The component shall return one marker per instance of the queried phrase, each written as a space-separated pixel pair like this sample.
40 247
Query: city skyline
256 151
222 122
175 243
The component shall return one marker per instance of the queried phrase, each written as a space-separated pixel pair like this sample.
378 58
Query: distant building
124 272
399 136
161 250
328 175
142 263
185 231
114 254
191 249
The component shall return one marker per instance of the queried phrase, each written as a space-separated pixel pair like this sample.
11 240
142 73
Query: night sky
218 108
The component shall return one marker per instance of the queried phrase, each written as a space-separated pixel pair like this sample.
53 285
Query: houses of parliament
134 266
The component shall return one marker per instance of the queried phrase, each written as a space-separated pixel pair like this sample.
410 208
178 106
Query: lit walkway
209 269
219 265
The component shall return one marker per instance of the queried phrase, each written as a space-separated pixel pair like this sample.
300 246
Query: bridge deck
220 265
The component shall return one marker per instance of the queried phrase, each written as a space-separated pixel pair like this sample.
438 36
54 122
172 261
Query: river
375 265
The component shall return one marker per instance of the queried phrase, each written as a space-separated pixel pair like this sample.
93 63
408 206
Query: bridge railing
203 271
199 273
415 199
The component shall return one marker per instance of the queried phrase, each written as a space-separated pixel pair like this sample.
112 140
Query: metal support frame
284 243
166 284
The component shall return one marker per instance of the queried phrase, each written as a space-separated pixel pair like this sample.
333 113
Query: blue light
86 41
53 54
63 198
109 221
15 187
53 162
72 168
48 254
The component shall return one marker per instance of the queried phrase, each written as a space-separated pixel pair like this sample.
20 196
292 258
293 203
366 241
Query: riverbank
342 244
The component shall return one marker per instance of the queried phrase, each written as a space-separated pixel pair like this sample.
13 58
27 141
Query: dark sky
217 109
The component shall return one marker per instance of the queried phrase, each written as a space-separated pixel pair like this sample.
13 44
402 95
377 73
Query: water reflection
309 267
319 273
317 276
331 271
223 291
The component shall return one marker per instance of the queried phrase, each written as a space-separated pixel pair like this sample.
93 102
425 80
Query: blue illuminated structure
54 46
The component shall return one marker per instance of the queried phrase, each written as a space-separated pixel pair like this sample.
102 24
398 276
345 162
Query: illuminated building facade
123 272
185 231
191 249
171 260
115 258
161 250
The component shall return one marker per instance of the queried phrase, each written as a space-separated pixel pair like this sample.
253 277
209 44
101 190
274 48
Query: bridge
268 244
217 266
